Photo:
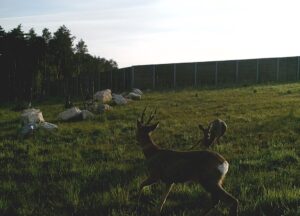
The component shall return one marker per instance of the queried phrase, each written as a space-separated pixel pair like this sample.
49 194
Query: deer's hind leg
165 196
215 202
219 194
147 182
197 144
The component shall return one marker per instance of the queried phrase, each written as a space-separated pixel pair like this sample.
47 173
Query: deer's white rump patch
223 168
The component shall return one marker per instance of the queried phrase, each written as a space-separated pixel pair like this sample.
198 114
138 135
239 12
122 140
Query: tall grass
95 167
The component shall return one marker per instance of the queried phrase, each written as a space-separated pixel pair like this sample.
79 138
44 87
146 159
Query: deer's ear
138 123
201 127
154 126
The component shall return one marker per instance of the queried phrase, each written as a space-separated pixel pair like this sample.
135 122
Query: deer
212 134
205 167
68 102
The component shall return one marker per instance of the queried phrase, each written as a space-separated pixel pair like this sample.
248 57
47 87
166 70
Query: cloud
148 32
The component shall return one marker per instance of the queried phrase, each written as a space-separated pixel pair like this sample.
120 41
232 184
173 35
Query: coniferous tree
4 71
31 64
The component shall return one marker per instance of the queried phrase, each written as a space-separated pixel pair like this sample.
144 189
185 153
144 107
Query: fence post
153 77
111 80
96 75
257 70
78 85
195 75
174 76
298 68
277 70
132 77
100 80
93 86
124 79
237 71
216 74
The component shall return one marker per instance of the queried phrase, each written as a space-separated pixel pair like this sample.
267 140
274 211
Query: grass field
95 167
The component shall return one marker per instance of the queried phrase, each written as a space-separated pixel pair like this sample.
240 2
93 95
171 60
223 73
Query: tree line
30 62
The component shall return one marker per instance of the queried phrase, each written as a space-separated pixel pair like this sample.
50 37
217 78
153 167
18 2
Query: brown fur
215 130
171 167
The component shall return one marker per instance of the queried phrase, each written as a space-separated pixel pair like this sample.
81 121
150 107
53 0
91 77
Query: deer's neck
209 142
149 147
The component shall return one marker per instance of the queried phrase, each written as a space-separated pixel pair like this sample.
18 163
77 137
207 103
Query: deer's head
144 128
206 141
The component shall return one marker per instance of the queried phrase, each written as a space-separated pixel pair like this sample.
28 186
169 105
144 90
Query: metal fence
180 75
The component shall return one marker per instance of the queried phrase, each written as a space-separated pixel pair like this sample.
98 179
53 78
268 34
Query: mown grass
95 167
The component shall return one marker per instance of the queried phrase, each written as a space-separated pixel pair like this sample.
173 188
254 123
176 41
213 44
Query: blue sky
134 32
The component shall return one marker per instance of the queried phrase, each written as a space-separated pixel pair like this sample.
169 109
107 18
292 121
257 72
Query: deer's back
176 166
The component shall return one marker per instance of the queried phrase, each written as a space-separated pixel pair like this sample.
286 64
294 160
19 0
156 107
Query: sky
137 32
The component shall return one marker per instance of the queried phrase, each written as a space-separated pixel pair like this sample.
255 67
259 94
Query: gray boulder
28 129
87 115
137 91
70 114
91 105
134 96
103 96
31 116
47 126
103 108
119 99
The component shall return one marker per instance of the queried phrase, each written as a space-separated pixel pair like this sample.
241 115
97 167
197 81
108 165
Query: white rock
103 108
103 96
48 126
91 105
119 99
32 116
137 91
28 128
134 96
87 114
71 113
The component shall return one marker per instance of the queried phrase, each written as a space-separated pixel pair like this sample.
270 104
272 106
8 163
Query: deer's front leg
147 182
165 196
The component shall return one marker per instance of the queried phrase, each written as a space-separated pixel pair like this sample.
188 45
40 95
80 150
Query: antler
143 114
152 115
210 127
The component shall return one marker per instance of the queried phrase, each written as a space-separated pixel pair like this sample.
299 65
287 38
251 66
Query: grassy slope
95 167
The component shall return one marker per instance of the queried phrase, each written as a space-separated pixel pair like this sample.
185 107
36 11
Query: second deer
215 130
205 167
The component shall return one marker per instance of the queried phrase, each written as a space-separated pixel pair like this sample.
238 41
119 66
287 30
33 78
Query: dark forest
30 63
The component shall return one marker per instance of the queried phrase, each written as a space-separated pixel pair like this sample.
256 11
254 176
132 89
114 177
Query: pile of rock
75 114
103 108
101 102
32 116
103 96
118 99
107 97
102 99
32 119
135 94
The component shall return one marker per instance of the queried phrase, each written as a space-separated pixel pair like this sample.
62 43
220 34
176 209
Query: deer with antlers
205 167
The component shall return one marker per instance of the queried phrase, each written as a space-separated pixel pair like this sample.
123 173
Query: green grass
95 167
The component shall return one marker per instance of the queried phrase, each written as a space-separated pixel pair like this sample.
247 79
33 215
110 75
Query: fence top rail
213 61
